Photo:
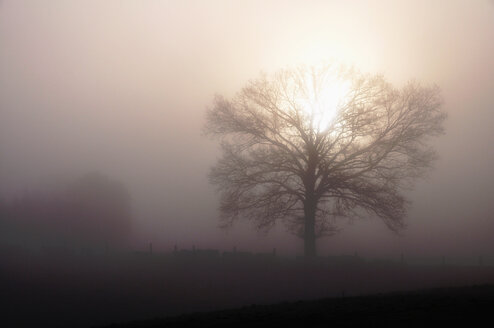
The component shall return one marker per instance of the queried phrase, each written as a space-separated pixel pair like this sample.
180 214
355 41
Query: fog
121 87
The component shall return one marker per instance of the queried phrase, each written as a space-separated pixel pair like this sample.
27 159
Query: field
82 290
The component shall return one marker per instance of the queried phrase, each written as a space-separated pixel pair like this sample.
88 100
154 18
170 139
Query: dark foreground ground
465 306
86 289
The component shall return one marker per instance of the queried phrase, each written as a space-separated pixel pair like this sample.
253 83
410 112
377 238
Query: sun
322 100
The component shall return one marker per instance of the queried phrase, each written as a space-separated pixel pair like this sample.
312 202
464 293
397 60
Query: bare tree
309 145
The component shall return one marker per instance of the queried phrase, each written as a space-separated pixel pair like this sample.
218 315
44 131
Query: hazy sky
122 87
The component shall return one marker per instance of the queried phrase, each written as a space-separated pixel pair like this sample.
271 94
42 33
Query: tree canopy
308 145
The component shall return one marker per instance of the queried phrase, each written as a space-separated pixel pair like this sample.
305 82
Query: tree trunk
309 230
310 204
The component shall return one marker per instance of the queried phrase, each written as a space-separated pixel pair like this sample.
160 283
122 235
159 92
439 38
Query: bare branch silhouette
306 146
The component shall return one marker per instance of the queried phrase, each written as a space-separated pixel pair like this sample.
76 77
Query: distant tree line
92 211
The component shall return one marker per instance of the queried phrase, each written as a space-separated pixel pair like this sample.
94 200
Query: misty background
121 87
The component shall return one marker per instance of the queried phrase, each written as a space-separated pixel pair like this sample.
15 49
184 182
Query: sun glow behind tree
322 97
